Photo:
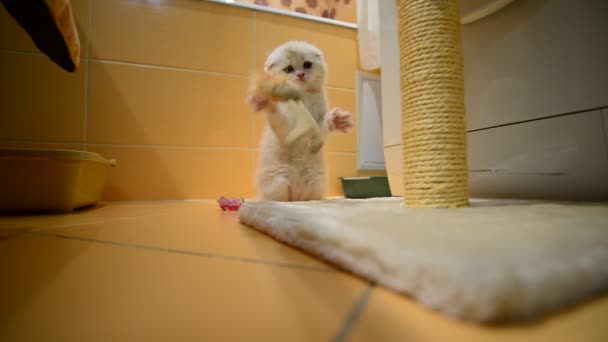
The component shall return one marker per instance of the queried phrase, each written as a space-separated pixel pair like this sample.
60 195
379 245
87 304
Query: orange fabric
61 10
51 26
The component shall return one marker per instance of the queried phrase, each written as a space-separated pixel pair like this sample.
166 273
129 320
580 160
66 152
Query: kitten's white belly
306 182
293 173
302 172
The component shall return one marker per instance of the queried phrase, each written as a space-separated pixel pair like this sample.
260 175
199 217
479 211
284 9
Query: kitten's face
301 62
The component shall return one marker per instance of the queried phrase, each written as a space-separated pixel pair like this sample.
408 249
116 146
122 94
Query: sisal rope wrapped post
432 100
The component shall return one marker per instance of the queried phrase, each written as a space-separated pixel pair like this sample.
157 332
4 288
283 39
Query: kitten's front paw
339 119
258 101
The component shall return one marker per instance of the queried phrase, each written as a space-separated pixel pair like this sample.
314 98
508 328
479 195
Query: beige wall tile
135 105
343 165
131 104
179 33
13 37
339 44
40 101
176 173
339 165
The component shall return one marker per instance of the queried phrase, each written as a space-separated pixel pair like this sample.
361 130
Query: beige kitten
294 172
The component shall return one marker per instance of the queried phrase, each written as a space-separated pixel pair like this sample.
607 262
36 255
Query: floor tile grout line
122 218
189 200
12 234
185 252
354 314
86 223
118 218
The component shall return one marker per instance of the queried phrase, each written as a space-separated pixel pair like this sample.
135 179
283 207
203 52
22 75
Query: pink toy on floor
230 204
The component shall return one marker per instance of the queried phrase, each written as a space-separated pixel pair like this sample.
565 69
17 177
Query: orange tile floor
185 271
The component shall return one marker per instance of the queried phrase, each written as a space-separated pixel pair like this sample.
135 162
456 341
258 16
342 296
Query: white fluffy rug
491 262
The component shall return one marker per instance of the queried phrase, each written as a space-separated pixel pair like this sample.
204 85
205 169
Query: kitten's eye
288 69
307 65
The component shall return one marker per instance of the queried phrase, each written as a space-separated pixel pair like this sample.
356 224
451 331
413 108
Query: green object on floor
366 187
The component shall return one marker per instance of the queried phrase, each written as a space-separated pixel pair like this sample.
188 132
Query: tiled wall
161 88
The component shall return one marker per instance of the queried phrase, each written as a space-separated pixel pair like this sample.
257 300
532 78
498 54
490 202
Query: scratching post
432 100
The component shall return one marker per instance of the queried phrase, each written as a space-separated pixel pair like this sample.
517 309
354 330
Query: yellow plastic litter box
50 180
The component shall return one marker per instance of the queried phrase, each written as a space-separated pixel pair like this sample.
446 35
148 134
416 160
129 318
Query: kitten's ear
269 64
317 52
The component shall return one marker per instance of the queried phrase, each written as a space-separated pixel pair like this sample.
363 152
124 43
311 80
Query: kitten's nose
301 76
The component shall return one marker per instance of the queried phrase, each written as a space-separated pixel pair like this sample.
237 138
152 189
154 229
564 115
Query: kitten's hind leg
275 189
318 188
313 189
